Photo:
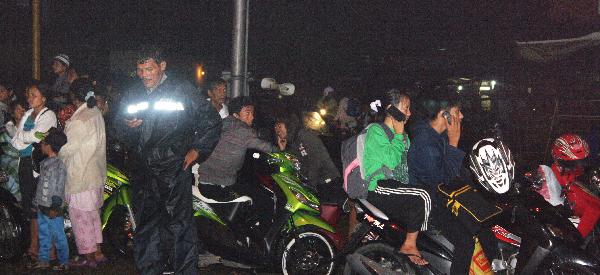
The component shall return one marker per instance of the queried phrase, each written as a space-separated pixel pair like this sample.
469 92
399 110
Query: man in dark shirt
433 159
168 127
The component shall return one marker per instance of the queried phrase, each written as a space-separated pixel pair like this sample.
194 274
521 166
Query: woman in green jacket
384 159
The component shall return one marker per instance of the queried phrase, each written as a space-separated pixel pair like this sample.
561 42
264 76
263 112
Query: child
49 198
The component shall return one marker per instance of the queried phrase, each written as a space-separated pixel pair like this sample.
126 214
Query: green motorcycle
277 226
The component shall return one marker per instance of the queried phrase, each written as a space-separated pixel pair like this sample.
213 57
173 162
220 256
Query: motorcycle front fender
122 197
301 218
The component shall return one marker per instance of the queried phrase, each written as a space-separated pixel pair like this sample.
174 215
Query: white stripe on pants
410 191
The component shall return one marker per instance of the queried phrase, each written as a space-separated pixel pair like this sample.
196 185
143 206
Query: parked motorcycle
278 226
580 201
534 238
14 229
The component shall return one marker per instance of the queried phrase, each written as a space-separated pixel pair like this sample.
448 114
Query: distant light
441 49
323 112
199 73
493 83
460 87
533 109
485 88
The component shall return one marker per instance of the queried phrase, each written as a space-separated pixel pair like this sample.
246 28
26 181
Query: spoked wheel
12 234
118 234
378 258
307 252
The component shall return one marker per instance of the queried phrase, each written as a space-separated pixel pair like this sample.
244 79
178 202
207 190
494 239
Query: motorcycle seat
374 210
196 193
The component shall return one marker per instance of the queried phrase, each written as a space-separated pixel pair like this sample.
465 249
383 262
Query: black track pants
406 203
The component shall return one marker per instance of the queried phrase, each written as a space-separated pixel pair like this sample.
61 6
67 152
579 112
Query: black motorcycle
533 237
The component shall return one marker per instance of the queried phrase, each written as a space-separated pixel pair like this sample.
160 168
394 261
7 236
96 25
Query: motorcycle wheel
118 234
307 252
385 256
569 268
593 242
12 235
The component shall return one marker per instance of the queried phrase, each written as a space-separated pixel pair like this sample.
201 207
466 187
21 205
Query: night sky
304 41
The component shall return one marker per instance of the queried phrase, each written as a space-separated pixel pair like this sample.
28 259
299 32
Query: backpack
356 184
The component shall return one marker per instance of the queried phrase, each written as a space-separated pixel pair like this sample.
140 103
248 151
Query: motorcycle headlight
304 200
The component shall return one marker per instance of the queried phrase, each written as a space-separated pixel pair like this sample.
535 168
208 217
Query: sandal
102 260
60 267
407 255
40 265
83 263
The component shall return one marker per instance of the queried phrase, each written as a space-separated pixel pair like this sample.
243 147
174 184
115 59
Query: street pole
35 13
238 59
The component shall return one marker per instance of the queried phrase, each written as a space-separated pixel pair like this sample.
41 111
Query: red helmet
569 147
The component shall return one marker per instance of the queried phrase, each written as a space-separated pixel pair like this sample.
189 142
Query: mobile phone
448 117
396 114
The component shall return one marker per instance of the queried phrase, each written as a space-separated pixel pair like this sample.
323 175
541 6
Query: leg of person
149 216
45 237
27 185
60 239
83 229
408 204
489 243
456 233
181 228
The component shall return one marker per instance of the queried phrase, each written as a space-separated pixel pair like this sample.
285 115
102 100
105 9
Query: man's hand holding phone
133 123
453 124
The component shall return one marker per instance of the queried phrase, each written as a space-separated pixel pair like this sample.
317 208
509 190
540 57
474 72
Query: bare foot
413 255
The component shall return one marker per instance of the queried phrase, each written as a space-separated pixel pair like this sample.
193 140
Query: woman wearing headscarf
84 155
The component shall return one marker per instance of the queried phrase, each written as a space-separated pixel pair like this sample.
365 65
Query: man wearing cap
60 88
168 126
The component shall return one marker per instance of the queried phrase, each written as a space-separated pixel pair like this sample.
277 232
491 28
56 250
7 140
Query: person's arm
253 142
379 152
206 123
75 136
45 121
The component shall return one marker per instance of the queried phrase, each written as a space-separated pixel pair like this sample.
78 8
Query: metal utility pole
238 59
35 60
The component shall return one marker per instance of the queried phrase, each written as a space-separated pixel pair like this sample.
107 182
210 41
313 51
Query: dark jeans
166 229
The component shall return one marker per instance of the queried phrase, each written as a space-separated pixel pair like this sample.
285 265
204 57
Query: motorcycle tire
13 234
117 235
593 242
568 268
384 255
307 251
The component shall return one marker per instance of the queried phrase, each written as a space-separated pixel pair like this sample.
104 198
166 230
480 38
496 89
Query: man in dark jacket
315 163
434 158
168 127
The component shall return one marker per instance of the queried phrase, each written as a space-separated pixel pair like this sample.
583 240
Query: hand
41 135
282 142
190 157
398 126
453 130
133 123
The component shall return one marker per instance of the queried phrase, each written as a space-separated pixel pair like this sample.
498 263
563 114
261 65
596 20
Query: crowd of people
54 153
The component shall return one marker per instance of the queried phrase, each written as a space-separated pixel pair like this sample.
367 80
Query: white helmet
493 165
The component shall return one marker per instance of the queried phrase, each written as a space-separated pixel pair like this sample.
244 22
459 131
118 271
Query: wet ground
113 267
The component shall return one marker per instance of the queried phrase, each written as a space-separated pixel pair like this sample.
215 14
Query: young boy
49 198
